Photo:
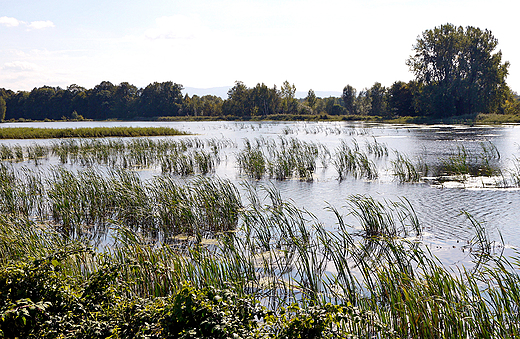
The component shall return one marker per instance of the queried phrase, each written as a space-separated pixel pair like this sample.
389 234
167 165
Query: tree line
457 73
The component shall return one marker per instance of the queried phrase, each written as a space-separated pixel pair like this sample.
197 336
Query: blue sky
323 45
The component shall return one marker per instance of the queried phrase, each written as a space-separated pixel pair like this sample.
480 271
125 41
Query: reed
182 157
376 148
285 159
352 161
464 161
407 171
515 172
86 203
251 161
379 283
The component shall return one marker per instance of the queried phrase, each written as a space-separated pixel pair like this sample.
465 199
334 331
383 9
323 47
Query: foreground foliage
279 273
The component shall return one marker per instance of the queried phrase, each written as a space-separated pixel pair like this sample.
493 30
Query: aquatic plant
251 161
314 280
282 160
352 161
463 161
405 170
376 148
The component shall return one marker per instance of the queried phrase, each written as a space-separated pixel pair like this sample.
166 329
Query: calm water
438 208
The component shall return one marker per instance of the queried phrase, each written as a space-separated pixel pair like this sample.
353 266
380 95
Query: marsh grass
84 204
85 132
354 162
376 148
515 172
281 256
183 157
463 161
405 170
282 159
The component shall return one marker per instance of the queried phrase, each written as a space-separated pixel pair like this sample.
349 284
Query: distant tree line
456 72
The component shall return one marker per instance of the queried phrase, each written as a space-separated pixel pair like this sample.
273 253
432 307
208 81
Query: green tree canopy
349 99
459 70
311 98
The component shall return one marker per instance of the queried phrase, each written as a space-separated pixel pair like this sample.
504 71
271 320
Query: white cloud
13 22
41 24
20 66
9 22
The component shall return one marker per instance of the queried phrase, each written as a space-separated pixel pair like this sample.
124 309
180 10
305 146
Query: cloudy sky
323 44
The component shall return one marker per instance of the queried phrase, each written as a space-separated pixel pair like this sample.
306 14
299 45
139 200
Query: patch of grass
494 118
463 161
84 132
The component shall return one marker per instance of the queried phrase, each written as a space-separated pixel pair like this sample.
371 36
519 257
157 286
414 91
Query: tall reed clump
376 148
84 204
282 159
407 171
21 192
354 162
464 161
515 172
251 161
183 157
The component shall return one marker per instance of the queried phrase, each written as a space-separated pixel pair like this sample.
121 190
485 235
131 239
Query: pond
438 203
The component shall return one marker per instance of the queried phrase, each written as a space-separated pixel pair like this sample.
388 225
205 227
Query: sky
322 45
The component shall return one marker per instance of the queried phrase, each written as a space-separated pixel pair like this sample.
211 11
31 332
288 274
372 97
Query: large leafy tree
311 99
400 99
377 98
265 100
161 99
459 70
239 101
349 98
289 103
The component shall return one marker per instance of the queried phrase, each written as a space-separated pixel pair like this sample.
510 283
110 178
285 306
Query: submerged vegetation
354 162
285 159
85 203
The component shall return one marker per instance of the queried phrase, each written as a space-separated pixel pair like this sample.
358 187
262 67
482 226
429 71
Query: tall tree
265 100
377 95
238 102
400 99
161 99
101 100
363 102
349 99
289 103
311 99
459 70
